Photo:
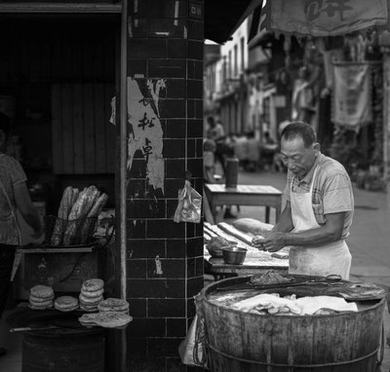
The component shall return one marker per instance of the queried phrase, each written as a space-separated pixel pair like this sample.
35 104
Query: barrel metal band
367 356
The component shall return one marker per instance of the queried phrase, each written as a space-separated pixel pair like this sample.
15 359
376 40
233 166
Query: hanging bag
190 205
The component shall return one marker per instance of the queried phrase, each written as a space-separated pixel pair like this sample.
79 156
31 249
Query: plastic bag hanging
189 206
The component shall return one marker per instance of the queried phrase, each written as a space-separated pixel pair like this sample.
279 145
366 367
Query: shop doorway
58 75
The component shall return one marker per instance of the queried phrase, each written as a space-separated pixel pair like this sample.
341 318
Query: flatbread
66 303
39 300
112 319
88 319
90 301
93 294
42 291
41 304
113 304
40 307
66 309
92 285
89 310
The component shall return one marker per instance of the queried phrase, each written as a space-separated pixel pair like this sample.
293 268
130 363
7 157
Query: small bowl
217 252
214 252
234 255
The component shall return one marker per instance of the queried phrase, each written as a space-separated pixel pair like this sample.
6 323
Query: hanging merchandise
351 101
324 17
190 204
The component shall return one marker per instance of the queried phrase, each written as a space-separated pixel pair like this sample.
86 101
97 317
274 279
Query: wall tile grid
165 259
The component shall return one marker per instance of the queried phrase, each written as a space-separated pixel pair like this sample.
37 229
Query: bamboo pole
123 174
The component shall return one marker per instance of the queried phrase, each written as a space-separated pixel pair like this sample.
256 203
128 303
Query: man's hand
274 242
258 240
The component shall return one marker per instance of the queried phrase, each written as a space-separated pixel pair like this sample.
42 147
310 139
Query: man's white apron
327 259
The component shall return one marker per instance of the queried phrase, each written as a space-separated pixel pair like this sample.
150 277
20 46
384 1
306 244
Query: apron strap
312 181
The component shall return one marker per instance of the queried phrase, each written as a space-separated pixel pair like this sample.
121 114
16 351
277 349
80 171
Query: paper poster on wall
145 131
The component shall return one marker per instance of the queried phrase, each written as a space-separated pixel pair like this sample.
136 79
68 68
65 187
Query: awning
223 17
323 17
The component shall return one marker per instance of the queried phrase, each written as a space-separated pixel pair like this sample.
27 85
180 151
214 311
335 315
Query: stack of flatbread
114 305
66 303
106 319
41 297
91 294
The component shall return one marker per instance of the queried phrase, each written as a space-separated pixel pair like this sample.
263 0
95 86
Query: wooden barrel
245 342
63 351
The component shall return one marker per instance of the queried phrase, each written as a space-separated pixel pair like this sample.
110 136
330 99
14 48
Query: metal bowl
234 255
217 251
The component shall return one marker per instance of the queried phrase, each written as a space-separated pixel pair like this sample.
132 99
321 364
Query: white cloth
301 306
310 305
331 258
270 302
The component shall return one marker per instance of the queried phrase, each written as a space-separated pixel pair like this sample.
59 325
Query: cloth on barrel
270 302
310 305
274 304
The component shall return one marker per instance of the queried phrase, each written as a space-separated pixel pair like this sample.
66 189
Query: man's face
298 158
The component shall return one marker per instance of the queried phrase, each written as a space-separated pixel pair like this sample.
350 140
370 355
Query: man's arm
285 223
329 232
26 207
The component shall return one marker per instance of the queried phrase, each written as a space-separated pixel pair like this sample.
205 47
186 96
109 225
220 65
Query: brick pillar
165 259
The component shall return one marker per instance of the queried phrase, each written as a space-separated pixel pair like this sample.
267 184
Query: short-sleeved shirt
215 133
11 174
332 190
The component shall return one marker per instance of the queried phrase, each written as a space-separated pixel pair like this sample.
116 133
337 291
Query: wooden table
251 195
219 269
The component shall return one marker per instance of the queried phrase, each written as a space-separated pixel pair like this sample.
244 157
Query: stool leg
267 213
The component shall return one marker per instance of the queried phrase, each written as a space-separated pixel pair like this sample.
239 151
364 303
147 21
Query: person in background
209 160
269 148
14 195
216 133
319 208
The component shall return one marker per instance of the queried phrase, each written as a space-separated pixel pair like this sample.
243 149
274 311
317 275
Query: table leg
267 213
214 212
277 214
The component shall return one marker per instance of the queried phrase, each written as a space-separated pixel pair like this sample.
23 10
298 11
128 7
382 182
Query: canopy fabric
223 17
324 17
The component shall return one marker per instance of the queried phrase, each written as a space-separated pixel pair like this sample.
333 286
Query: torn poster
145 132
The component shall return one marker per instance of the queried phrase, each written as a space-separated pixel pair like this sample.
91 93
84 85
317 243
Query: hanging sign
352 105
325 17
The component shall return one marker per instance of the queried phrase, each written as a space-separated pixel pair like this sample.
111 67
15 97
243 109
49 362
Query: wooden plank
56 115
78 128
100 124
45 7
110 130
67 129
208 216
89 129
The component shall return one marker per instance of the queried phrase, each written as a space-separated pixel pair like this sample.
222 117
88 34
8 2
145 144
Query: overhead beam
25 7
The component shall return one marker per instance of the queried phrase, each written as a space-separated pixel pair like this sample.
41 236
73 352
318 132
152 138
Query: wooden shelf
58 250
25 7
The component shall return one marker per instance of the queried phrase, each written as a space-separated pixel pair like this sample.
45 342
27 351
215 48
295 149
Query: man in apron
13 195
319 208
